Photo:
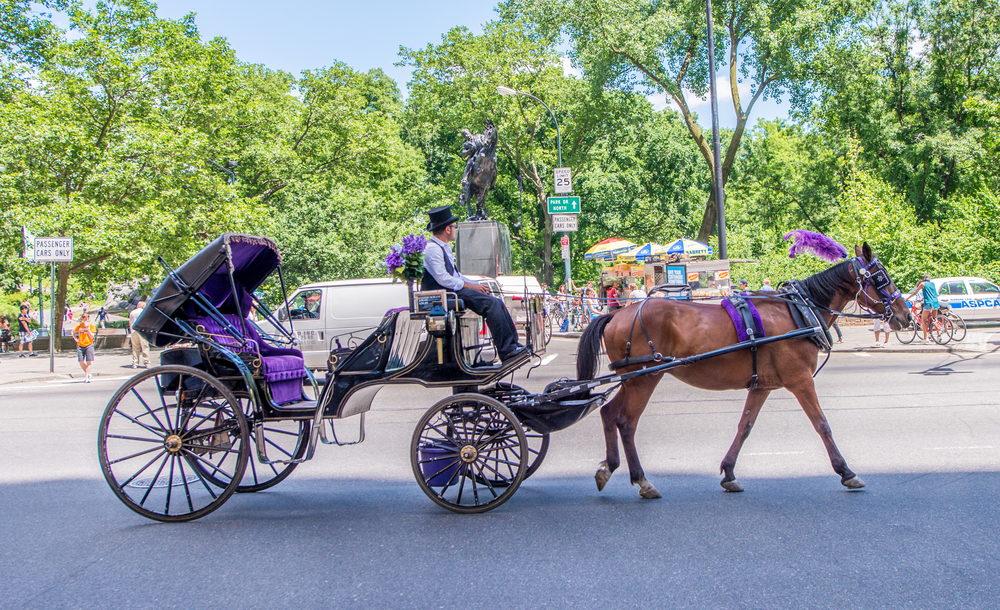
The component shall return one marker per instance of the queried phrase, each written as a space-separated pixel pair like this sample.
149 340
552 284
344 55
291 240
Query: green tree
109 146
660 47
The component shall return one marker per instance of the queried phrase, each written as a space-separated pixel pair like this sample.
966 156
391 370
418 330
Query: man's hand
477 287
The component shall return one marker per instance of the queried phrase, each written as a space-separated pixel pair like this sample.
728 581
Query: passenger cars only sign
54 249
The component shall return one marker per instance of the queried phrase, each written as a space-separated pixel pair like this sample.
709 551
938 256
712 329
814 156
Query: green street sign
564 205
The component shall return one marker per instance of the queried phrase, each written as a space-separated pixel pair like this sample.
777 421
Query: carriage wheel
547 329
283 440
538 442
462 447
173 443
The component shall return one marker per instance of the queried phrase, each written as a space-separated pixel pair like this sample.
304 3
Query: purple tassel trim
816 243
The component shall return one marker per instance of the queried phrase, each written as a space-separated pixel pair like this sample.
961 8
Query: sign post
564 181
558 208
53 250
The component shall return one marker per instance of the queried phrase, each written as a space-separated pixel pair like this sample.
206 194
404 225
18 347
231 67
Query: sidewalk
107 363
979 340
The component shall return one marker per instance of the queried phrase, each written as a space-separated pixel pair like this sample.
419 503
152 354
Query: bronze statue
480 153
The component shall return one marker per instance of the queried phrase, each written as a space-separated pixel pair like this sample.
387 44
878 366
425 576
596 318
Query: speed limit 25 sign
564 181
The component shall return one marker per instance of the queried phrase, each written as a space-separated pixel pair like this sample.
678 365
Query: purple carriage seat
283 368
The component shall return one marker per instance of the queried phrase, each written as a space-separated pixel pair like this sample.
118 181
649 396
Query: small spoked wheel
538 442
908 334
469 453
284 440
173 443
958 328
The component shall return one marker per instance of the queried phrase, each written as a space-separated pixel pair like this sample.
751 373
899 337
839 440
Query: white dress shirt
434 257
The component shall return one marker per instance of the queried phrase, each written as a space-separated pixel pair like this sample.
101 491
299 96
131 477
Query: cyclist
930 298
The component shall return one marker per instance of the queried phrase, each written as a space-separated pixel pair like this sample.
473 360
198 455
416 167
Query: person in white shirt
767 286
637 293
440 274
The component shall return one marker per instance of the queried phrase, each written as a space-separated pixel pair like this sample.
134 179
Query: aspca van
327 315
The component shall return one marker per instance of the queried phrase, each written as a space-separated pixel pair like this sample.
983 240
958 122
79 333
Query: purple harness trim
741 329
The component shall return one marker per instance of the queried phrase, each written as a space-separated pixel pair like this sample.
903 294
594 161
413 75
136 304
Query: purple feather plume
817 243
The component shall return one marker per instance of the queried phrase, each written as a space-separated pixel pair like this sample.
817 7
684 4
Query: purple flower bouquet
406 262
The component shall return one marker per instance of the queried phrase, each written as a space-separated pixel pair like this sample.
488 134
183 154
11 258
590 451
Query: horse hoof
732 486
648 492
854 482
602 476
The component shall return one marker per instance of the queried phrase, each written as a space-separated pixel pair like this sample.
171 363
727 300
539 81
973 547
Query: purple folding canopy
251 259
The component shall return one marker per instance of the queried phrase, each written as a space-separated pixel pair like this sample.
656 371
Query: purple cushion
286 391
280 364
282 368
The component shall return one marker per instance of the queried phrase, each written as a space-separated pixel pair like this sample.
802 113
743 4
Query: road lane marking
953 448
549 359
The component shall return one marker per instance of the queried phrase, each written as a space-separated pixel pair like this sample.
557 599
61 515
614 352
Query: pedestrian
562 302
637 294
84 334
743 285
766 287
930 298
102 316
5 335
140 347
614 293
24 333
882 325
840 335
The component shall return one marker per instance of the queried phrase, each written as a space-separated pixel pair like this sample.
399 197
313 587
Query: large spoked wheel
941 329
538 442
173 443
462 447
908 334
283 441
958 327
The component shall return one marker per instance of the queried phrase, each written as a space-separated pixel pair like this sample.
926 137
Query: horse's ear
857 251
866 250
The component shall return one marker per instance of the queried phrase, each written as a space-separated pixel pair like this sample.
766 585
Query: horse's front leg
755 400
806 395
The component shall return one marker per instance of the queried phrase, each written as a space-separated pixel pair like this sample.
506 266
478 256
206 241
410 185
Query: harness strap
750 319
655 356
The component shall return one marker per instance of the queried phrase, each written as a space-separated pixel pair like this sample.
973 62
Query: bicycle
940 331
958 324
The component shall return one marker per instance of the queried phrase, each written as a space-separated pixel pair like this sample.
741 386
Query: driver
440 274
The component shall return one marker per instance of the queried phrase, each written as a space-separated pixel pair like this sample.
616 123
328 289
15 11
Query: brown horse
680 329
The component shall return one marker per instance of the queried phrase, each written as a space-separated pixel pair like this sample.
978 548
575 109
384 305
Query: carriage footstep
732 486
854 482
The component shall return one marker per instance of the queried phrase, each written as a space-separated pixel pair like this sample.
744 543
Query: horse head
877 292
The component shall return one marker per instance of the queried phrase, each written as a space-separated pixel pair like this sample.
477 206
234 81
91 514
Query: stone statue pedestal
482 247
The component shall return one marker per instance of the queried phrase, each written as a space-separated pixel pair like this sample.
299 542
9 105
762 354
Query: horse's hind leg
755 400
806 395
609 418
637 393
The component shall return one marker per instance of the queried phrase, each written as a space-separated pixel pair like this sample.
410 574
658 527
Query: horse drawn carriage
233 409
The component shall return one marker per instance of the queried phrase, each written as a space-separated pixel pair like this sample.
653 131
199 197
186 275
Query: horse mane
823 286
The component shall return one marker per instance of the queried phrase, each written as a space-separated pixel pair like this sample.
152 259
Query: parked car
972 298
344 312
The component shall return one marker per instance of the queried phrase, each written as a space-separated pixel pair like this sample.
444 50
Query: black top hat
441 217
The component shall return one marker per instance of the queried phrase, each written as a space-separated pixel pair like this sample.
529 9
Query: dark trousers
496 315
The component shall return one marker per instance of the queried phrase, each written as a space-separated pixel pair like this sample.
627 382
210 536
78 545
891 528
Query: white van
344 312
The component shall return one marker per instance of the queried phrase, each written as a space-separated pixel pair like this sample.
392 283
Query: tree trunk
62 285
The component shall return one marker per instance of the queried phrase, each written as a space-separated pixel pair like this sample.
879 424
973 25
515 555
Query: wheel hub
173 443
469 454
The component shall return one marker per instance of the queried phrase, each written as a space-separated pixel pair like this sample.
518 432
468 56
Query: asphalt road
352 529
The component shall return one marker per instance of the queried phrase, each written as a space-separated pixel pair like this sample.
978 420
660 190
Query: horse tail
590 347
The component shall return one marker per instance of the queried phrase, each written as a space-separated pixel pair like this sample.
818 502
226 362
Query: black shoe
32 355
517 352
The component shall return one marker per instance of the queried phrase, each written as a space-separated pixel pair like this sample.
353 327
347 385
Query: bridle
874 274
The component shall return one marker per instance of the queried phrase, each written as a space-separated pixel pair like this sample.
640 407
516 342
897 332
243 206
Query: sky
308 34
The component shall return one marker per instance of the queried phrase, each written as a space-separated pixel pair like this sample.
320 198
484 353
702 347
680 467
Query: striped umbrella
608 249
689 247
645 251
